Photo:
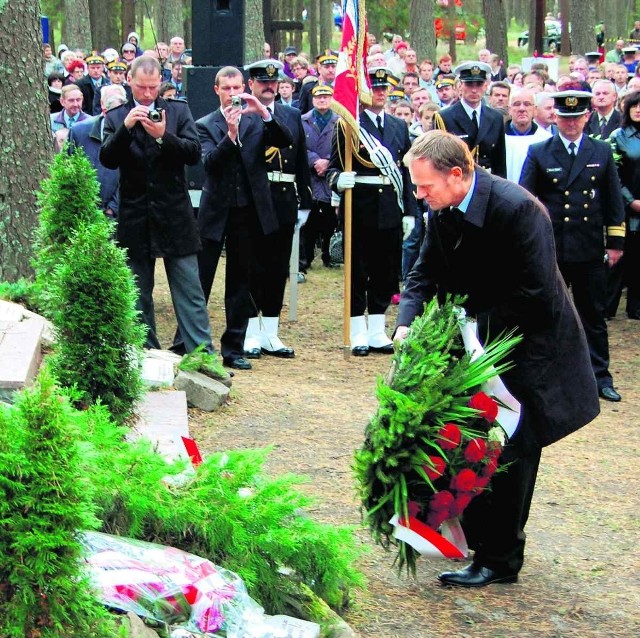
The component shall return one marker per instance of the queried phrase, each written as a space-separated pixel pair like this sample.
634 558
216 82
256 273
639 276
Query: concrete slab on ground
20 355
163 419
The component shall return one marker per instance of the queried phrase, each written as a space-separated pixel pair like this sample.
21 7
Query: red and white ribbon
508 406
450 543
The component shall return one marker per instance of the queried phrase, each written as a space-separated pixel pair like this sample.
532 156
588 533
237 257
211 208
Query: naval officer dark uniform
290 186
487 134
377 220
584 199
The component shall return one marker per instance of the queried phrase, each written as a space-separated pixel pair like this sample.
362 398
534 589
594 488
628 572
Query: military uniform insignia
571 101
475 70
271 70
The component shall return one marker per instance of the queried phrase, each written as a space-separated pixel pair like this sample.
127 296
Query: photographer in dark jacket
151 140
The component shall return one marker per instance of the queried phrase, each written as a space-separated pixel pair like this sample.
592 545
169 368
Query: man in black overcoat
583 196
384 212
479 126
156 218
236 207
490 240
290 183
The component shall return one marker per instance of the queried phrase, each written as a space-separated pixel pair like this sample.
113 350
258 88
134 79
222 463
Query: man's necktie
572 153
451 221
603 125
379 125
474 130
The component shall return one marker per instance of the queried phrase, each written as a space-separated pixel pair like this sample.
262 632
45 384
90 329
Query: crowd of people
530 188
292 170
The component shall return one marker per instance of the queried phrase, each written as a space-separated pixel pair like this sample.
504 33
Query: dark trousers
411 247
626 273
588 283
187 297
494 522
242 236
270 270
322 223
376 256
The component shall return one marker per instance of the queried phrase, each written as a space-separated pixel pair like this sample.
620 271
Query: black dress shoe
609 394
360 351
475 576
237 364
388 349
282 353
253 353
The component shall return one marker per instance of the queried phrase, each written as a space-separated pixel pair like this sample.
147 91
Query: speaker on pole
218 32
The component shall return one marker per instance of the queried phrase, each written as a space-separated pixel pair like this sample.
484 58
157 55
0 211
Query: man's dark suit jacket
255 136
88 89
156 217
88 136
505 263
376 206
490 140
288 197
593 125
583 197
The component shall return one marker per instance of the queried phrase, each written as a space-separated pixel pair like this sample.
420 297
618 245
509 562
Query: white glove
408 224
335 199
347 179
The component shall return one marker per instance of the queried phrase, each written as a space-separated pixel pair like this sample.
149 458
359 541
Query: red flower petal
449 436
475 450
487 407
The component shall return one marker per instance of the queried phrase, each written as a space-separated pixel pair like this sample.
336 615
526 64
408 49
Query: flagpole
348 199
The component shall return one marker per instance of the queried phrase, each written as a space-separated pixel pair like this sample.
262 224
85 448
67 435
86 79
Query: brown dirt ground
581 578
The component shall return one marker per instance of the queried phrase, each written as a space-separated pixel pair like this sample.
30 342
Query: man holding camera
150 140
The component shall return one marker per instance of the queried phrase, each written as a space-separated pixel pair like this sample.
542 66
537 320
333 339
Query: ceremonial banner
351 84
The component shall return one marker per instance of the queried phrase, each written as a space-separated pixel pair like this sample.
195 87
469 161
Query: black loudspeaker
218 32
202 99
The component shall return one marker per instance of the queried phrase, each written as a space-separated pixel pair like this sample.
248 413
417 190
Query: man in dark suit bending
489 240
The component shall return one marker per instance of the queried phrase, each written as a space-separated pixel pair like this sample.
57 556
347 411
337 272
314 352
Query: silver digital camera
155 115
236 101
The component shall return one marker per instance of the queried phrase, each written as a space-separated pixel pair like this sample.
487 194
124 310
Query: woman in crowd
55 82
626 143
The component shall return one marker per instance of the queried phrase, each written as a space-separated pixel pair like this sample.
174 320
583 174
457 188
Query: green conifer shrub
99 336
44 499
255 533
68 199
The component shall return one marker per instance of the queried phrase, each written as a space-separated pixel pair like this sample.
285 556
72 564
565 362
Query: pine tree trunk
296 36
76 26
313 25
423 34
452 19
104 27
168 19
25 135
583 36
254 31
495 19
186 24
127 19
326 26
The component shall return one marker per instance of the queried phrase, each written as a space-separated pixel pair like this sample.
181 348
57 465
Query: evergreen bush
68 199
20 291
230 513
44 499
99 337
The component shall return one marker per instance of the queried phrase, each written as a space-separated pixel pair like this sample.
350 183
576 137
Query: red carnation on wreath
449 436
487 406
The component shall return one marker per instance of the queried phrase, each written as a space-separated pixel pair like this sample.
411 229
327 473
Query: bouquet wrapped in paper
434 443
167 585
